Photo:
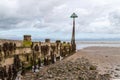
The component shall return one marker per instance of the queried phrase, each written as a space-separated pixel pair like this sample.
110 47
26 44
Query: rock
93 67
50 76
116 75
81 69
118 65
117 69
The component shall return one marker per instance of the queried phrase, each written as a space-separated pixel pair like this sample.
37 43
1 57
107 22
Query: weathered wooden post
68 49
39 62
0 53
14 48
27 41
9 72
58 42
73 33
48 43
64 49
40 53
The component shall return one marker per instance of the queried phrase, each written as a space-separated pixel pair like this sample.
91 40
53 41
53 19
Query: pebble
81 69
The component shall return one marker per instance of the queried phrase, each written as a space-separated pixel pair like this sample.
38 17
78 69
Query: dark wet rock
117 69
118 65
116 75
93 67
106 56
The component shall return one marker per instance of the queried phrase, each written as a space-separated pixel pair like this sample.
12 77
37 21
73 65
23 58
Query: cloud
53 16
17 12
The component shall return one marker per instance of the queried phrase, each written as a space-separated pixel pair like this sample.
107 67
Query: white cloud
53 16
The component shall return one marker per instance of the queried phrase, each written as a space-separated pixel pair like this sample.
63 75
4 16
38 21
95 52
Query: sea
85 44
80 44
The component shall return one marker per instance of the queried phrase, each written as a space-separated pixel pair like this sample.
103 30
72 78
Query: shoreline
107 59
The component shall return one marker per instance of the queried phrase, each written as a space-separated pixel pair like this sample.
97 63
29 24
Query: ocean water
81 45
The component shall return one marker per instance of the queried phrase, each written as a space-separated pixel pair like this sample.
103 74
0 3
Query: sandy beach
107 59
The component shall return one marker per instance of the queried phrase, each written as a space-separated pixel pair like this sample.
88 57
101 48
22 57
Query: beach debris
81 69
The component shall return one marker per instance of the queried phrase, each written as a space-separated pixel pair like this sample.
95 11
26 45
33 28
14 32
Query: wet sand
106 58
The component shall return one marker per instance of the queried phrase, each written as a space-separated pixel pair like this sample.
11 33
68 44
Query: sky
97 19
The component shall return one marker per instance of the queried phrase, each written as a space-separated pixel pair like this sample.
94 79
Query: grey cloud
54 15
24 11
8 23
